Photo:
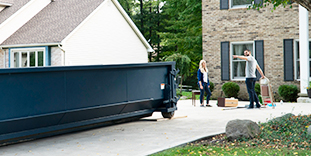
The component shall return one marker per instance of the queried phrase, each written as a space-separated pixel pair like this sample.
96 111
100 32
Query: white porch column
304 48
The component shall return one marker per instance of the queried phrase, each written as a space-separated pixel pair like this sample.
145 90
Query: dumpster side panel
145 83
87 88
25 94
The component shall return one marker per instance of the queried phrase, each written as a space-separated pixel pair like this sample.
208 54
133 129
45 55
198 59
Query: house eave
29 45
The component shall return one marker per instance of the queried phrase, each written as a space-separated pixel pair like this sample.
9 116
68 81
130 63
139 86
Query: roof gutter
29 45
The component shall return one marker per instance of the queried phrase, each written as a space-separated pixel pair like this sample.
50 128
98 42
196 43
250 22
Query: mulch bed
219 139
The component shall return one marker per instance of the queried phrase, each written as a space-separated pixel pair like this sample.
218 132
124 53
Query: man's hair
247 50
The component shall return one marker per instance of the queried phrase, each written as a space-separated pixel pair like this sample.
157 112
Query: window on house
28 57
297 60
240 3
238 65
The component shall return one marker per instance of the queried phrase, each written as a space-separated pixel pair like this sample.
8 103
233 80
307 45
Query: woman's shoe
208 105
202 105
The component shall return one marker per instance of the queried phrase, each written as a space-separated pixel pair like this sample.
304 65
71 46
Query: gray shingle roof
7 1
9 11
54 22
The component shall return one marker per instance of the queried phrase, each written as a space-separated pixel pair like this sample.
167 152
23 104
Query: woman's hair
203 69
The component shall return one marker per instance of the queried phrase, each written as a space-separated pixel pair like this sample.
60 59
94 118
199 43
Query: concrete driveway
151 134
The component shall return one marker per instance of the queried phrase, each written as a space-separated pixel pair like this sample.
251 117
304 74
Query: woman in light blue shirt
203 83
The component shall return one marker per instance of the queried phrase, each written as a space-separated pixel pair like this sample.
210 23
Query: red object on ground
266 101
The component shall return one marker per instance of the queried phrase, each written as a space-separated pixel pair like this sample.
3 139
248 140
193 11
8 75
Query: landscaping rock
284 116
237 129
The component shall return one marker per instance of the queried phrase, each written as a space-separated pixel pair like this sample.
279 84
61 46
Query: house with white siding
36 33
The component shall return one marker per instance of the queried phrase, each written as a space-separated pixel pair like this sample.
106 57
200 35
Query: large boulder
237 129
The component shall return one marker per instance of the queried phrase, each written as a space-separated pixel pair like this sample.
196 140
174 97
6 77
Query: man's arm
240 57
260 71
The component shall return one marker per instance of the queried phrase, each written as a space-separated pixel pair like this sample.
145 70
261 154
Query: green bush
231 89
211 86
288 92
257 89
260 99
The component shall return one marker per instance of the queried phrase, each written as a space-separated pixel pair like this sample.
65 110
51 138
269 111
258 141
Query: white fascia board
29 45
133 26
20 17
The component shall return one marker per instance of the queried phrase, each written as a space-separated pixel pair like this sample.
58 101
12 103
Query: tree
183 32
305 3
182 63
170 26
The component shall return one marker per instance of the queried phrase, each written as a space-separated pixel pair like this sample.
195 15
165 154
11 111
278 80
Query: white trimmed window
239 3
297 60
238 65
27 57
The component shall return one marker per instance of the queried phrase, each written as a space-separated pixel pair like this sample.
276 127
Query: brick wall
235 25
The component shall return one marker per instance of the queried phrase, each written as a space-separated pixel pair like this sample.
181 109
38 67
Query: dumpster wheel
168 114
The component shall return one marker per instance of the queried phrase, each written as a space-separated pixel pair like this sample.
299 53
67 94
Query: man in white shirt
250 73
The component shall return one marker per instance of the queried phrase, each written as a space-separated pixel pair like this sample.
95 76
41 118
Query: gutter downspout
4 57
59 46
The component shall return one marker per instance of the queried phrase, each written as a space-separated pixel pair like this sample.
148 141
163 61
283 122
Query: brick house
273 37
35 33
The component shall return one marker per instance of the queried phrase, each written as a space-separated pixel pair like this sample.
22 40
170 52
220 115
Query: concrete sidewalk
151 134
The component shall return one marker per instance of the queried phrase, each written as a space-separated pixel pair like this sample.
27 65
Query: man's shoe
208 106
258 107
249 107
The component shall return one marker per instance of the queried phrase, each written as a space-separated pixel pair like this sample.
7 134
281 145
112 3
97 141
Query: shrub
257 89
288 92
260 99
231 89
212 86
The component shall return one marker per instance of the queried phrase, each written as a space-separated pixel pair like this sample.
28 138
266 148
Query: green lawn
231 150
285 136
189 95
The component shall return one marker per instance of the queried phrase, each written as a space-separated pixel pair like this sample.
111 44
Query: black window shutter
258 2
259 52
224 4
288 59
225 68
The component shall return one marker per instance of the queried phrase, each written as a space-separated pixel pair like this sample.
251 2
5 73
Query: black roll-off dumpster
39 102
